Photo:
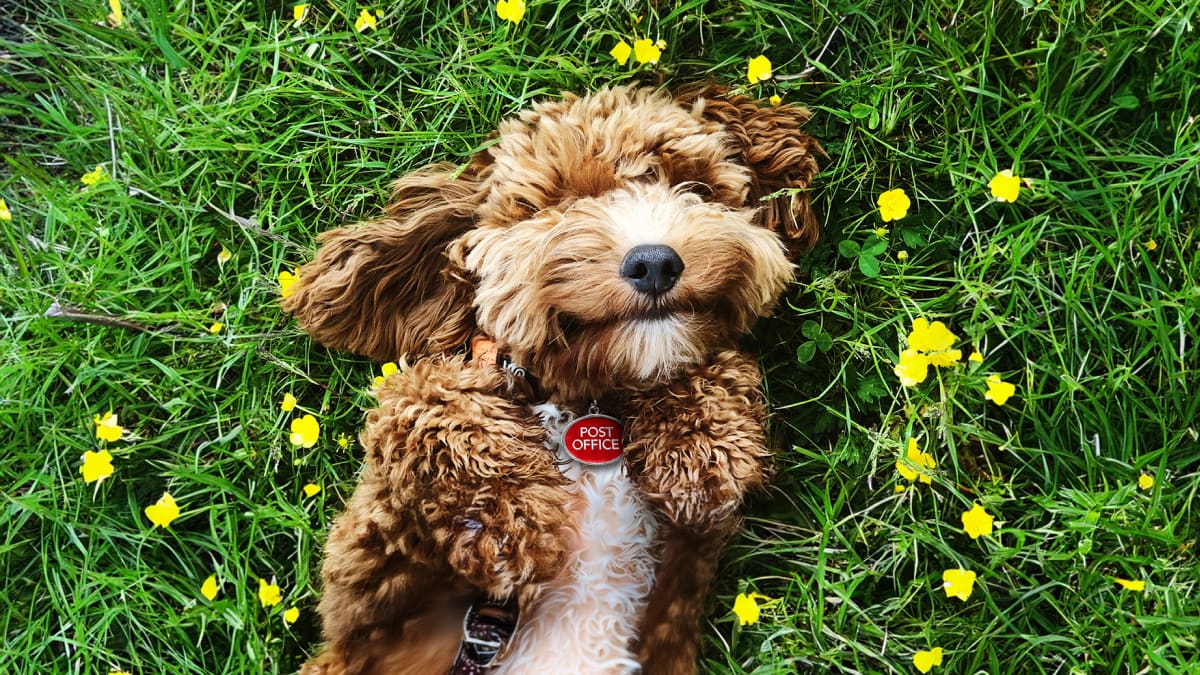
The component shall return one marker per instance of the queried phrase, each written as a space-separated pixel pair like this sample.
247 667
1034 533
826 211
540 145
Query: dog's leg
697 446
372 571
670 634
459 493
453 447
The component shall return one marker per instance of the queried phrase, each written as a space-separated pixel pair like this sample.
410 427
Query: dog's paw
507 541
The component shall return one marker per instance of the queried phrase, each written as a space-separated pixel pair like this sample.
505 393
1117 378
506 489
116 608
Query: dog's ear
385 288
779 155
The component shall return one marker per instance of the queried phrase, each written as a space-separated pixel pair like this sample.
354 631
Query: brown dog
613 247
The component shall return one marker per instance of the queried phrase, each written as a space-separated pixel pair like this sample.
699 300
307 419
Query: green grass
222 125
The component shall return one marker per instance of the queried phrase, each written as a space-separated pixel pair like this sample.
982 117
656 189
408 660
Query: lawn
227 135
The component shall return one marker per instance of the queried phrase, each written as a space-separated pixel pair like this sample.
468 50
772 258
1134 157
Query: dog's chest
587 618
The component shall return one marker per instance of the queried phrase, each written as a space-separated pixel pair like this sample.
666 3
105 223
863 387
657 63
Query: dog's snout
652 268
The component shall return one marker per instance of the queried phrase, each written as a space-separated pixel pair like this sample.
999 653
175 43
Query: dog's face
615 242
604 241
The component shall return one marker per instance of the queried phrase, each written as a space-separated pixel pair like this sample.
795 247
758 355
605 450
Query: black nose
652 268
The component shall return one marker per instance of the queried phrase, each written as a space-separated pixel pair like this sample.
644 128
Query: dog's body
615 248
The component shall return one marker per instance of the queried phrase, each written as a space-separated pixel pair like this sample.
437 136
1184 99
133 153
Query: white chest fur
587 618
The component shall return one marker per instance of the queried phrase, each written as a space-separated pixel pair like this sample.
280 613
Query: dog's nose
652 268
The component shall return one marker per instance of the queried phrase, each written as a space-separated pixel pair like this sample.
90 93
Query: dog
555 497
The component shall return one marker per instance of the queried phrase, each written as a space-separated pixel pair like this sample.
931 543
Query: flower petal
926 660
958 583
1136 586
269 594
621 52
209 588
893 205
163 512
759 69
1005 186
645 51
912 369
998 391
977 522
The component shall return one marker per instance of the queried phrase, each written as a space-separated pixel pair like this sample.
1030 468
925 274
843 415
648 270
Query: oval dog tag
594 439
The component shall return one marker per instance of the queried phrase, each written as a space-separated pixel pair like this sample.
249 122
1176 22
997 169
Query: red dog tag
594 439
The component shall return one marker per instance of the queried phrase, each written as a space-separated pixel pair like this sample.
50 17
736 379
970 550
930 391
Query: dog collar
592 440
485 352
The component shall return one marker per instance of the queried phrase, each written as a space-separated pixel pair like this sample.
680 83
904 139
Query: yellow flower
290 616
5 214
930 337
775 99
926 660
311 489
268 593
913 457
1005 186
621 52
902 255
998 391
759 69
977 522
216 327
224 256
107 428
944 359
287 282
1135 586
1146 481
511 10
343 441
912 369
881 232
289 402
893 205
1150 245
365 20
958 583
117 18
900 488
300 12
305 431
162 512
209 588
96 466
645 51
117 672
976 357
95 176
746 607
388 370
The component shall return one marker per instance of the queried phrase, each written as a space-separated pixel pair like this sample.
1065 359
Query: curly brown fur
372 288
460 494
670 630
780 157
697 445
697 448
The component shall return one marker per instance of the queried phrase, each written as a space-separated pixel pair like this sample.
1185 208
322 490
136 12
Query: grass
223 125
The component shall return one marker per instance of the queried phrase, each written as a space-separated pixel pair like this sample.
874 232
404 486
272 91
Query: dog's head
603 241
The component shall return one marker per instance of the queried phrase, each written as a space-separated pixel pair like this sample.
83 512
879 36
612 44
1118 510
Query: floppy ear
385 288
778 154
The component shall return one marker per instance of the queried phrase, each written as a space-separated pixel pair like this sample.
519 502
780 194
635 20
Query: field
162 168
